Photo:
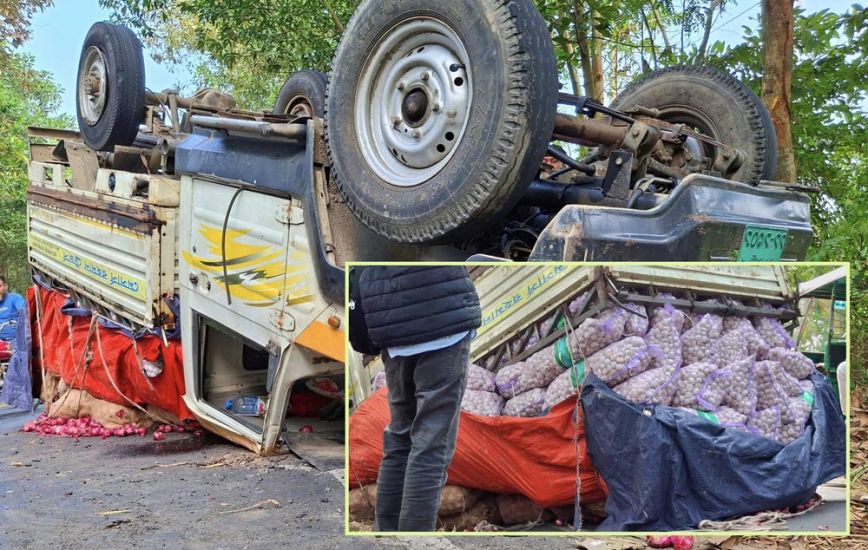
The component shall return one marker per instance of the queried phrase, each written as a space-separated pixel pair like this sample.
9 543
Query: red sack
534 457
63 351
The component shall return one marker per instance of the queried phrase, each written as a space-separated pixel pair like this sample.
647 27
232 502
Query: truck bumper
704 219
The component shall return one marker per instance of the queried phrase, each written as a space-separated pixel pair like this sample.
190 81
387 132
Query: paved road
188 492
183 492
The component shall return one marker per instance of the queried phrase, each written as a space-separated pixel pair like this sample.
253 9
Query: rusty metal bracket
728 160
616 184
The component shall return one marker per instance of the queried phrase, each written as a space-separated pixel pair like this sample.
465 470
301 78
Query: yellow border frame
782 534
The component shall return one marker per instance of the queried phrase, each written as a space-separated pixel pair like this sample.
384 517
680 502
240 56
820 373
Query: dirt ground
193 492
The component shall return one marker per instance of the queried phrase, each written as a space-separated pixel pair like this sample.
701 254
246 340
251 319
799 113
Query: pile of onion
79 427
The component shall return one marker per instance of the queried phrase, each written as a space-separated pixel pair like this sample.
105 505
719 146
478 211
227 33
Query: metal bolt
436 107
726 155
636 132
416 133
396 120
452 113
619 161
426 75
401 86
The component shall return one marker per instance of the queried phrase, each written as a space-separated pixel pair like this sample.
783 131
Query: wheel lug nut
436 107
416 134
401 86
396 120
426 75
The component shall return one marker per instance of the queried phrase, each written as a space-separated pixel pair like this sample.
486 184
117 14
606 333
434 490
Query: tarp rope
763 521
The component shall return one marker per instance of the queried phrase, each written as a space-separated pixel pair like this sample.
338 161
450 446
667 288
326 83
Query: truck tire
303 94
438 114
716 104
110 90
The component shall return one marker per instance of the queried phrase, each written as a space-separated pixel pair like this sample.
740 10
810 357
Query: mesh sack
596 333
537 371
756 345
730 418
773 332
621 360
701 344
769 392
379 381
637 321
767 422
741 395
563 387
714 390
652 387
690 380
795 418
733 347
483 403
795 363
667 312
724 416
693 318
578 303
529 403
665 337
787 383
479 379
807 386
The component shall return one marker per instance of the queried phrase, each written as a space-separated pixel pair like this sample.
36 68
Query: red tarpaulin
64 349
535 457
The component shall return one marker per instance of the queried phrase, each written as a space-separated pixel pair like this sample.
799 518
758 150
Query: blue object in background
18 385
669 470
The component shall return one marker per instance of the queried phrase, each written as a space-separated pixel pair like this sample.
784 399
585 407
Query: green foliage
27 98
15 18
830 122
246 47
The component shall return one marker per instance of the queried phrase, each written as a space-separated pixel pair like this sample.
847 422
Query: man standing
423 319
10 304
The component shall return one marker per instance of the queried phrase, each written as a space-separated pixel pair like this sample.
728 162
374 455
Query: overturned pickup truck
431 140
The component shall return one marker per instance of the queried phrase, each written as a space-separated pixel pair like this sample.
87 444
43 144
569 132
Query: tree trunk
709 17
650 38
661 26
597 62
583 42
777 77
571 69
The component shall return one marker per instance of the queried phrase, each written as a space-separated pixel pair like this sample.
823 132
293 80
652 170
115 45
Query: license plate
762 244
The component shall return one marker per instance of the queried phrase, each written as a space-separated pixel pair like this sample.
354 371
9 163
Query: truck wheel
715 104
303 94
439 113
110 91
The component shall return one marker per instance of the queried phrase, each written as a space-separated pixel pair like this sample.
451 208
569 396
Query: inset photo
564 398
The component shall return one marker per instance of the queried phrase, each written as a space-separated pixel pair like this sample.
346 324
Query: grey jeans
425 393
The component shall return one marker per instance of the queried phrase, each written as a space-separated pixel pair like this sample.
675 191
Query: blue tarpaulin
668 469
17 388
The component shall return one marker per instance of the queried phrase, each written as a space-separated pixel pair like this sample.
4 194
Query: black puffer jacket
407 305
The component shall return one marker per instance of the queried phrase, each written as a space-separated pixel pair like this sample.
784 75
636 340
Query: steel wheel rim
413 100
696 120
92 86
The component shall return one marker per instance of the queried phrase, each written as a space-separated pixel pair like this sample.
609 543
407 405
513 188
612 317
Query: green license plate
762 244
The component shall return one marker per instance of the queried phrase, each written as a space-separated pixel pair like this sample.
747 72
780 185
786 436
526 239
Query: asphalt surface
189 492
184 492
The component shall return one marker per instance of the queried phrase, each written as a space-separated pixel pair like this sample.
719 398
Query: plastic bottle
246 405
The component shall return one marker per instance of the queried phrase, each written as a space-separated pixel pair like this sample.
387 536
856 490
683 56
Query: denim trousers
425 393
